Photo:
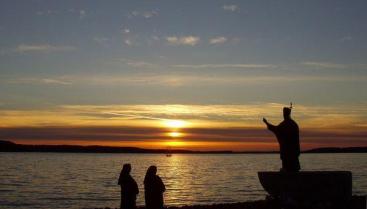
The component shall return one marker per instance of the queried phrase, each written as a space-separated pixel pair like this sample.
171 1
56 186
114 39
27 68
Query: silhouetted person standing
154 189
129 188
287 133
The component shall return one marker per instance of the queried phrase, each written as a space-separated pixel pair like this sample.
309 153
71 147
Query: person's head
152 170
287 112
126 168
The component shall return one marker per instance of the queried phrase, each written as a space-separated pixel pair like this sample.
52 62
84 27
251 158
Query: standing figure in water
287 134
154 189
129 188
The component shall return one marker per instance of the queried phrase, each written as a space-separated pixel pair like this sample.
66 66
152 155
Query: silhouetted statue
129 188
154 189
287 133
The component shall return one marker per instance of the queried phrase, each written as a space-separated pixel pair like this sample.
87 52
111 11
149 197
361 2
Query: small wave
11 184
16 204
7 190
78 199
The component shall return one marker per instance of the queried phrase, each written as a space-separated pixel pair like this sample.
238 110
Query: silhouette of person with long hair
129 188
287 133
154 189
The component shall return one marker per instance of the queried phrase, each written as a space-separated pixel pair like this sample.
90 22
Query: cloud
51 81
125 30
346 38
54 81
128 42
231 7
82 13
226 66
47 12
144 14
25 48
139 64
132 63
101 40
183 40
247 115
323 65
218 40
172 79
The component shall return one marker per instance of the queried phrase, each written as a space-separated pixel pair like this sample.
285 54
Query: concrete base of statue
308 189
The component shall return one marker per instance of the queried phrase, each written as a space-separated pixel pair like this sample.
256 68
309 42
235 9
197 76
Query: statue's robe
287 133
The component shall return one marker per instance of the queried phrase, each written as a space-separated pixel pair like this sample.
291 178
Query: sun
174 134
175 123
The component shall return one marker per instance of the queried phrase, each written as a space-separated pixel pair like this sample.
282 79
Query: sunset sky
185 74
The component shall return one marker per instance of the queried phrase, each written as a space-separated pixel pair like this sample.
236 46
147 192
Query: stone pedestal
309 189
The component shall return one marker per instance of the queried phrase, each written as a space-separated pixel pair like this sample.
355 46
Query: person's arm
119 181
270 126
163 187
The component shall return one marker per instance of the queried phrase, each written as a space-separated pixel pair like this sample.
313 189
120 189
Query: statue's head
287 112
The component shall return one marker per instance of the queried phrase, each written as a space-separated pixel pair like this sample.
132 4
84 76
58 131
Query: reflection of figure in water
129 188
287 134
154 189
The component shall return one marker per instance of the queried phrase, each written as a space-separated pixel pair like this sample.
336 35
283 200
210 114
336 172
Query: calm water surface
64 180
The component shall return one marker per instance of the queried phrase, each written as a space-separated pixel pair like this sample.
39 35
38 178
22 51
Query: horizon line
119 149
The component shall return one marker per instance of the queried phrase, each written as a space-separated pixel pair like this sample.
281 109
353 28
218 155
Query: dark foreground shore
260 204
357 202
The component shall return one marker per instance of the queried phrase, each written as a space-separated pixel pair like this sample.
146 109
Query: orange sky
194 127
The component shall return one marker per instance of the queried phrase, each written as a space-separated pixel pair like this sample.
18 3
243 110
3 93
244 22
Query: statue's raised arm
270 126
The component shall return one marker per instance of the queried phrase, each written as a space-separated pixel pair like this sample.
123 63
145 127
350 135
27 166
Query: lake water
64 180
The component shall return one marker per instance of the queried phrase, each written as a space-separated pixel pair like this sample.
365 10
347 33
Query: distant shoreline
8 146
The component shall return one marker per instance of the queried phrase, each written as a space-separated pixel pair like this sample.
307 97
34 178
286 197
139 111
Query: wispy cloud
47 12
145 14
34 80
226 66
25 48
101 40
203 122
183 40
231 7
128 42
125 30
82 14
346 38
54 81
323 65
171 80
218 40
139 64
